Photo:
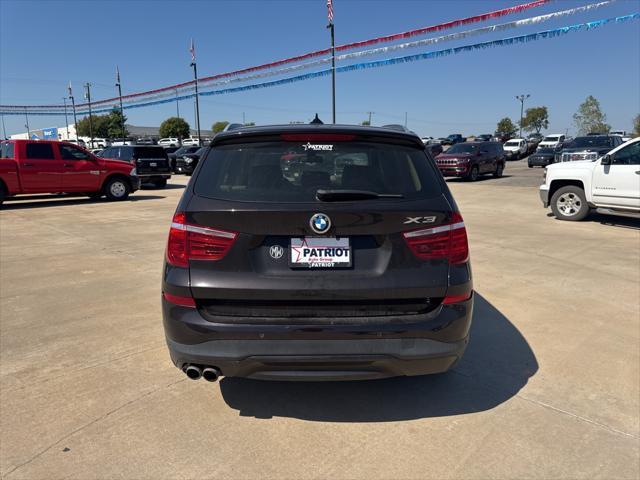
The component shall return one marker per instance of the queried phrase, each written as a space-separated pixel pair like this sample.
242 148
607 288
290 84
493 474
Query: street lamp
522 98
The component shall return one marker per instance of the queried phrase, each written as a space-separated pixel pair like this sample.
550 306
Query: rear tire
472 176
117 189
160 183
569 203
499 170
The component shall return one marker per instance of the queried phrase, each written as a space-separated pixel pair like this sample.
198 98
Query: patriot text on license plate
320 252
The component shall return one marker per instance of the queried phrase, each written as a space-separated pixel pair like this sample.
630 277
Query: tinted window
150 152
463 148
67 152
40 150
7 150
286 172
629 155
593 141
552 138
125 153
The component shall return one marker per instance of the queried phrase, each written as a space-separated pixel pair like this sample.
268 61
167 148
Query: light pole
4 130
195 77
87 96
26 116
73 105
119 85
66 119
177 104
370 113
333 60
522 98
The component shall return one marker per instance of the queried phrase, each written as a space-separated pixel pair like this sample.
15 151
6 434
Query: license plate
320 252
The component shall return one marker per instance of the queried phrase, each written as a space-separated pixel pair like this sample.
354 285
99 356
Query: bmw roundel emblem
320 223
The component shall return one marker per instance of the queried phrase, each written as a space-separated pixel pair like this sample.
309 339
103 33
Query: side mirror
606 160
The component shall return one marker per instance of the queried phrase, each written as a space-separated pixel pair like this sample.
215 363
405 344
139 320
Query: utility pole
370 113
243 120
73 104
26 116
521 99
4 130
87 96
177 104
66 120
405 119
195 77
119 85
333 62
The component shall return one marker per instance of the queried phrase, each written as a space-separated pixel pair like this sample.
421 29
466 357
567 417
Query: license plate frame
311 253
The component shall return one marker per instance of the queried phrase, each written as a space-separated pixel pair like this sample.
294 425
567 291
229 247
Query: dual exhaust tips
210 374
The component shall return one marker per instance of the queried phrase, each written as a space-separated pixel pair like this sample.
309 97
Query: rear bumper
323 351
321 359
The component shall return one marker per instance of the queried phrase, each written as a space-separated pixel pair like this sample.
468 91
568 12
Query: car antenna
316 121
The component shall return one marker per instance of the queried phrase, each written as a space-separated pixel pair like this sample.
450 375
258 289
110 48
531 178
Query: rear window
292 172
6 150
464 148
150 152
40 150
551 138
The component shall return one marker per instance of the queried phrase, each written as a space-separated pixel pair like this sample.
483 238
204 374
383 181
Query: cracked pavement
549 387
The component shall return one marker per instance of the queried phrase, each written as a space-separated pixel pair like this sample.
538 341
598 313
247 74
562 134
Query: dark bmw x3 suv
316 252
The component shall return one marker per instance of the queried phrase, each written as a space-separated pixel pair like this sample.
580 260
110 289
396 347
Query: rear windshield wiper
345 195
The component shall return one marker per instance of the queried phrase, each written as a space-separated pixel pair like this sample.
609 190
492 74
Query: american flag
330 10
192 50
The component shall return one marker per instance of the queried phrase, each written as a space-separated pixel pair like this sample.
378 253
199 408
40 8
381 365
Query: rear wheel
472 176
569 203
499 170
117 189
160 183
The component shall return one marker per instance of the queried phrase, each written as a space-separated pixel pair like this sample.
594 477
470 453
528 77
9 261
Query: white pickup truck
610 184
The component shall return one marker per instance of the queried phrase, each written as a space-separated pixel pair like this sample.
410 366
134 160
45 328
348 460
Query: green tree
536 118
506 128
589 118
115 122
636 126
366 123
219 126
99 126
174 127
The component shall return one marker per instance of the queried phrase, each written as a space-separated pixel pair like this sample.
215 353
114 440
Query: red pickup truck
40 166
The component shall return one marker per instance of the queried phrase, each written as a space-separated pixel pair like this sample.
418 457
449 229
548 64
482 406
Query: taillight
195 242
317 137
181 301
447 241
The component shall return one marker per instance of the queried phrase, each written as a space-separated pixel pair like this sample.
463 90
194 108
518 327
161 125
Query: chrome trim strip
434 230
210 231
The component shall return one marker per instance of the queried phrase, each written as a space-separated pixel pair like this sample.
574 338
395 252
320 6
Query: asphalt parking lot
549 387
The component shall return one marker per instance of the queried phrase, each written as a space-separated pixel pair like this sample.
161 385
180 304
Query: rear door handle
68 165
28 164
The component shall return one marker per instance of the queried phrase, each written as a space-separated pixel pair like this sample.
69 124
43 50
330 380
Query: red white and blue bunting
185 94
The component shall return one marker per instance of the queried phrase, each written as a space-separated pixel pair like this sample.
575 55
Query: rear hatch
151 161
318 226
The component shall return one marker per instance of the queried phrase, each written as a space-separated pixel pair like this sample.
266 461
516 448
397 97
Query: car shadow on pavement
34 201
481 178
609 220
497 364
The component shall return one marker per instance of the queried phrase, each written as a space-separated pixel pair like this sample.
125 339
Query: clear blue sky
44 44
